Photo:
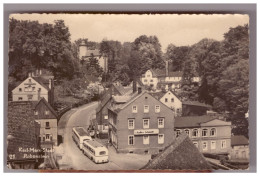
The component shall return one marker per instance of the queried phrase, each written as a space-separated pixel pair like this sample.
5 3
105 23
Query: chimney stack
139 90
134 85
167 68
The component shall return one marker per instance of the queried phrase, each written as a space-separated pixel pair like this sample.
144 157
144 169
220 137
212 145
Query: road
75 159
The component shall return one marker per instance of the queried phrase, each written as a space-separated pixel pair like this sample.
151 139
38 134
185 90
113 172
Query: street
75 159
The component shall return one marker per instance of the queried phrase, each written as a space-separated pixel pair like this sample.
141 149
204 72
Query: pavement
73 158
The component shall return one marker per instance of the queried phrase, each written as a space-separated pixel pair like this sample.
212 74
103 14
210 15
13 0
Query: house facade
34 88
45 115
240 148
173 102
140 124
104 103
209 134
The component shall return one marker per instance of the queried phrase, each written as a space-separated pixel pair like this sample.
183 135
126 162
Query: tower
82 50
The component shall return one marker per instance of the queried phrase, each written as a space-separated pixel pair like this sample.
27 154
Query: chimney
50 83
139 90
30 74
167 68
134 85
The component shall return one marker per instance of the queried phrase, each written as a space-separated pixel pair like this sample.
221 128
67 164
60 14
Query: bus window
102 153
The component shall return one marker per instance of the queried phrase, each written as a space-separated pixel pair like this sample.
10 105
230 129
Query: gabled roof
104 101
192 121
36 103
179 155
196 103
158 72
119 88
43 82
239 140
157 95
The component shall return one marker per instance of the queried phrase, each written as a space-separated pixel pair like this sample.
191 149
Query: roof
42 82
157 95
175 74
36 103
196 103
192 121
239 140
120 88
81 131
158 72
22 128
104 101
116 107
94 143
121 99
179 155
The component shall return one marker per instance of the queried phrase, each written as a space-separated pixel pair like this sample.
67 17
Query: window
145 123
151 80
102 153
35 112
172 100
20 89
131 124
20 98
195 133
223 144
178 132
30 80
213 145
160 122
157 108
146 108
178 110
145 139
148 76
204 145
160 138
105 117
134 109
213 132
33 88
166 100
145 80
47 112
196 144
187 132
47 125
204 132
131 140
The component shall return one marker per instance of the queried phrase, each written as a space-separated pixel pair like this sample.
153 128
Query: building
161 79
85 53
34 88
45 115
139 123
194 108
23 136
208 133
102 109
180 155
240 148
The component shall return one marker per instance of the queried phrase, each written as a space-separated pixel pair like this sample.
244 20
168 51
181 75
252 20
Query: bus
79 135
95 151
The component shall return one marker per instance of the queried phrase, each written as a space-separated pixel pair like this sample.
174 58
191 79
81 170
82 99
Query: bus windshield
102 153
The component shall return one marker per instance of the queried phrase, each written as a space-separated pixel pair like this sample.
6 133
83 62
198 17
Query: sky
180 30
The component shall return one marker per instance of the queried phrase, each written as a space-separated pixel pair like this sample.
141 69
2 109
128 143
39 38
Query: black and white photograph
128 92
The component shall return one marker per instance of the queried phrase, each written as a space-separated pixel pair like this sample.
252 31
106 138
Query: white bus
79 134
95 151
